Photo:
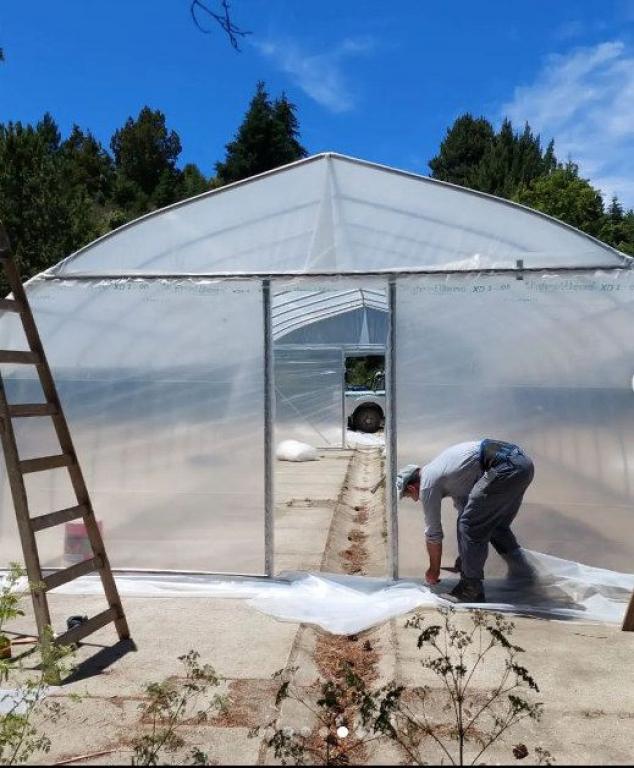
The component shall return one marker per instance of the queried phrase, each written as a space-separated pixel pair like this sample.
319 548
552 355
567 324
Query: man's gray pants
492 505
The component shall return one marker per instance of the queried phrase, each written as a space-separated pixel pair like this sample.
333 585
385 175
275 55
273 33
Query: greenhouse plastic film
162 384
308 396
545 362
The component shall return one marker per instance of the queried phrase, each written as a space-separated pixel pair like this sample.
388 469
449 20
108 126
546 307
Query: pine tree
49 132
462 149
267 138
286 132
145 155
88 165
549 161
528 159
193 182
474 155
618 227
493 172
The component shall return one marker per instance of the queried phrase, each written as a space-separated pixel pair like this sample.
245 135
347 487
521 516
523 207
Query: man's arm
431 498
434 550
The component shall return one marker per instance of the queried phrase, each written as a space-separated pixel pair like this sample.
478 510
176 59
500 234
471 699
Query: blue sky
376 80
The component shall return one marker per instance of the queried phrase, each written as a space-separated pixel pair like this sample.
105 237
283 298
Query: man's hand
434 550
432 576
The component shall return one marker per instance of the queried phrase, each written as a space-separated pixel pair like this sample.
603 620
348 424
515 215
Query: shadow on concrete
100 661
539 599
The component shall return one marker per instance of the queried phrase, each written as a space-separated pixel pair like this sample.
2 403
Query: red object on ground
76 542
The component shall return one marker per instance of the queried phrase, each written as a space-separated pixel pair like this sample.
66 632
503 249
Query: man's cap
405 477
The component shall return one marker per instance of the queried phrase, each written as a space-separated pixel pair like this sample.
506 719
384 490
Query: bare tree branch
222 16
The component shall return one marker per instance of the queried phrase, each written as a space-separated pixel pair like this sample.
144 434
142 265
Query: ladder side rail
20 502
66 443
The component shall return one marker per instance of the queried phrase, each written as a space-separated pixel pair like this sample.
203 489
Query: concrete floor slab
583 675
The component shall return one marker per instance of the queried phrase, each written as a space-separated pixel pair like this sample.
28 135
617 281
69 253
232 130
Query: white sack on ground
347 604
293 450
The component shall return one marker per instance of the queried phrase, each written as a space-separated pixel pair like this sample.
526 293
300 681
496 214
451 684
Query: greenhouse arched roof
331 214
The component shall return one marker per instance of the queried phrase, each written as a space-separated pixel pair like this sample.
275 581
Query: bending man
486 481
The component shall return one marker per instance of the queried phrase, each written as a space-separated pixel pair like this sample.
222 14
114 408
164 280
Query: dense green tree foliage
46 217
566 196
462 150
513 165
618 227
57 195
145 154
267 138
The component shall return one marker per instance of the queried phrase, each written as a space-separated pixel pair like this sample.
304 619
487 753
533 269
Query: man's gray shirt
453 473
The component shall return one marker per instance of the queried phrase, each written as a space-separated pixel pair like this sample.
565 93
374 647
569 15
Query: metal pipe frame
269 426
390 469
344 421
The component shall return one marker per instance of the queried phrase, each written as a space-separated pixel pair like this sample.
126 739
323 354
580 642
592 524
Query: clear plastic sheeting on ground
545 362
347 604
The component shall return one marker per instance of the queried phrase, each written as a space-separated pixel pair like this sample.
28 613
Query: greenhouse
190 342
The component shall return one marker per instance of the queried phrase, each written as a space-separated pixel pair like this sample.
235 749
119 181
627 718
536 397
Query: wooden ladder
16 469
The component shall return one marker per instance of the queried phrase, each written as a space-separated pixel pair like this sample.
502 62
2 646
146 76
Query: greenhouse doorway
328 369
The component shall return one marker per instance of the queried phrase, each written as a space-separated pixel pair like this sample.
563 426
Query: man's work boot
466 591
519 569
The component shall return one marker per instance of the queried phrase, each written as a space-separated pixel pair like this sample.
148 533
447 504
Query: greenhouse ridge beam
92 276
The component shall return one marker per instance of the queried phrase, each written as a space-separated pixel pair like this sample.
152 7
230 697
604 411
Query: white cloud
585 101
321 76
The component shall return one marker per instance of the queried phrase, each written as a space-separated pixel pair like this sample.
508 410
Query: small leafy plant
172 704
338 708
25 702
10 601
478 717
462 718
20 738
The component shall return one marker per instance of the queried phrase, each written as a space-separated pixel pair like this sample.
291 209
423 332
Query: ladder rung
10 305
57 518
46 462
33 409
17 356
74 572
88 627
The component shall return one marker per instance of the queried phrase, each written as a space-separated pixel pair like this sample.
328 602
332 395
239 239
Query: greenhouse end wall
163 383
546 362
